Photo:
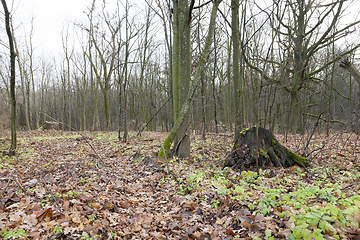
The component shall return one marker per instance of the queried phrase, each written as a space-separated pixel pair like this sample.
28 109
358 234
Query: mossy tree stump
261 143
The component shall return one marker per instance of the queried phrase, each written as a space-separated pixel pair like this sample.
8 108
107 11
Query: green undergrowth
312 200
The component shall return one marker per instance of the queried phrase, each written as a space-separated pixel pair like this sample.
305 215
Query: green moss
263 153
298 159
243 132
274 143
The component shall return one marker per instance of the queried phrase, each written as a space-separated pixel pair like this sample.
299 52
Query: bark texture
12 150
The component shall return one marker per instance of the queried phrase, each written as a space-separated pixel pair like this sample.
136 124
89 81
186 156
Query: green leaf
356 224
267 232
313 222
317 234
22 232
8 235
322 225
306 234
333 210
292 237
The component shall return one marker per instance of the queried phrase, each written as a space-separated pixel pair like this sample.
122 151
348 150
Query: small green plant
184 190
83 180
13 234
268 235
58 230
163 180
70 194
215 203
249 175
86 236
44 202
92 217
111 234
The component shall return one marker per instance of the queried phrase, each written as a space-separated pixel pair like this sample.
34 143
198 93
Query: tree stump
51 125
261 144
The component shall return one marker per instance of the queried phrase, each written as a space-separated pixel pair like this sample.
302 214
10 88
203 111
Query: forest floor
57 187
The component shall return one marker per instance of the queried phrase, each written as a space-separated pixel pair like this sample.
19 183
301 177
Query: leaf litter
57 188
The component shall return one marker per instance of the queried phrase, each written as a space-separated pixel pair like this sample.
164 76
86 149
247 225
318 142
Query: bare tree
303 28
106 50
12 150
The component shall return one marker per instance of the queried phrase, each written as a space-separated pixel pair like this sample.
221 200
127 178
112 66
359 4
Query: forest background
113 69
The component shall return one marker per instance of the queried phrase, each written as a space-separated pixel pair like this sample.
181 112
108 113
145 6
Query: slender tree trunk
236 64
186 106
12 150
214 87
176 62
202 83
125 135
229 92
23 87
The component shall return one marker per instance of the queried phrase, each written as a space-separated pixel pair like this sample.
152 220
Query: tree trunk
182 72
352 70
213 85
186 106
235 38
261 143
12 150
21 71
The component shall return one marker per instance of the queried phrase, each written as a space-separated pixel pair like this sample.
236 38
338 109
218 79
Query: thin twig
153 117
19 184
312 133
350 185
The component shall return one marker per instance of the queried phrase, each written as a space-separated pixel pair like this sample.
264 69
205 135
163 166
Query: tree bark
235 38
181 80
186 106
12 150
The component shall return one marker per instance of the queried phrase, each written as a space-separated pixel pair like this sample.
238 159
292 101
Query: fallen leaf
124 204
45 213
30 220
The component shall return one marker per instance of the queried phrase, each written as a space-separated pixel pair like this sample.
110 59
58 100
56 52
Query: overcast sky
50 17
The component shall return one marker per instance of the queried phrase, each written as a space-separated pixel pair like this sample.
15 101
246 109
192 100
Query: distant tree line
275 66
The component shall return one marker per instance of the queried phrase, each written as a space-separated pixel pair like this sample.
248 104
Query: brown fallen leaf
45 213
30 220
196 235
190 205
124 204
246 224
14 224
